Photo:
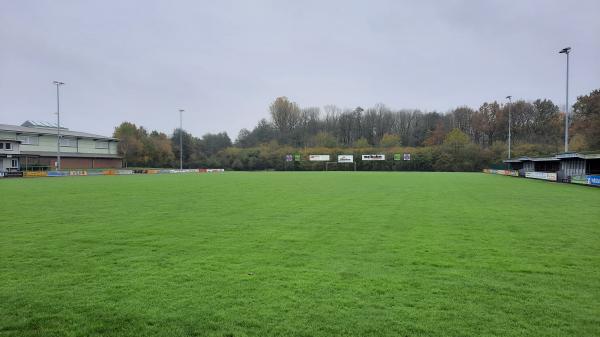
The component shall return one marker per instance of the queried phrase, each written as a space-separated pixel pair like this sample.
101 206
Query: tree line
460 139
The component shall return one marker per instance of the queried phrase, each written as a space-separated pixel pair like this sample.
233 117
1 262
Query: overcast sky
225 61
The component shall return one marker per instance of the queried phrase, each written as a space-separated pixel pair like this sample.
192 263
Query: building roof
558 157
544 159
517 160
568 155
47 125
70 154
50 131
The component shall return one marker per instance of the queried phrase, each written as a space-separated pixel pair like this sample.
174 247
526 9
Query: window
1 146
68 142
101 145
8 146
28 140
14 163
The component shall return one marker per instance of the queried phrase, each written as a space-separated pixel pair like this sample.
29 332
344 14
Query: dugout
578 164
521 164
535 164
546 164
565 165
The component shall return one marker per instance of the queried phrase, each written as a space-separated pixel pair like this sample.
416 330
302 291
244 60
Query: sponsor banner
345 158
153 171
95 173
319 157
211 170
289 157
78 173
1 174
13 174
513 173
502 172
172 171
297 157
58 173
124 172
401 156
541 175
593 180
373 157
35 174
582 180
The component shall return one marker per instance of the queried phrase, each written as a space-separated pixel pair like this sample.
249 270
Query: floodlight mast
509 122
58 84
566 51
181 139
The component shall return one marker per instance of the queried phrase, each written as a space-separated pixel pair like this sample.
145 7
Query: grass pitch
299 254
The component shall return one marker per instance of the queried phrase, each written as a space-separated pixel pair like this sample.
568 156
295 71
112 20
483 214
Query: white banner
541 175
319 157
345 158
373 157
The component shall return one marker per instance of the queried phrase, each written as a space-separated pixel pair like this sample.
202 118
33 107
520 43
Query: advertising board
373 157
319 157
13 174
593 180
579 179
541 175
35 174
345 158
124 172
58 173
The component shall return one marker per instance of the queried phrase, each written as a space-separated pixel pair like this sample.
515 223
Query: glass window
8 146
14 163
1 146
68 142
28 140
101 145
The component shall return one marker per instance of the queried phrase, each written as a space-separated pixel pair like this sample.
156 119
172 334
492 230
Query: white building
34 146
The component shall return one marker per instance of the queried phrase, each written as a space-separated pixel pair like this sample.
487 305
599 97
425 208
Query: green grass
299 254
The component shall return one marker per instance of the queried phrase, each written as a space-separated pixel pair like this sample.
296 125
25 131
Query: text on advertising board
373 157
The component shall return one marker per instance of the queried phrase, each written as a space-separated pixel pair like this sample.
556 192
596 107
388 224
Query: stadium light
58 84
509 122
566 51
181 139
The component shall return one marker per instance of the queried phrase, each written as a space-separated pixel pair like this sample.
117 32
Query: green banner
579 180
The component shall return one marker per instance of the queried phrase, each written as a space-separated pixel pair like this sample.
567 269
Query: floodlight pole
566 51
58 84
509 123
181 139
